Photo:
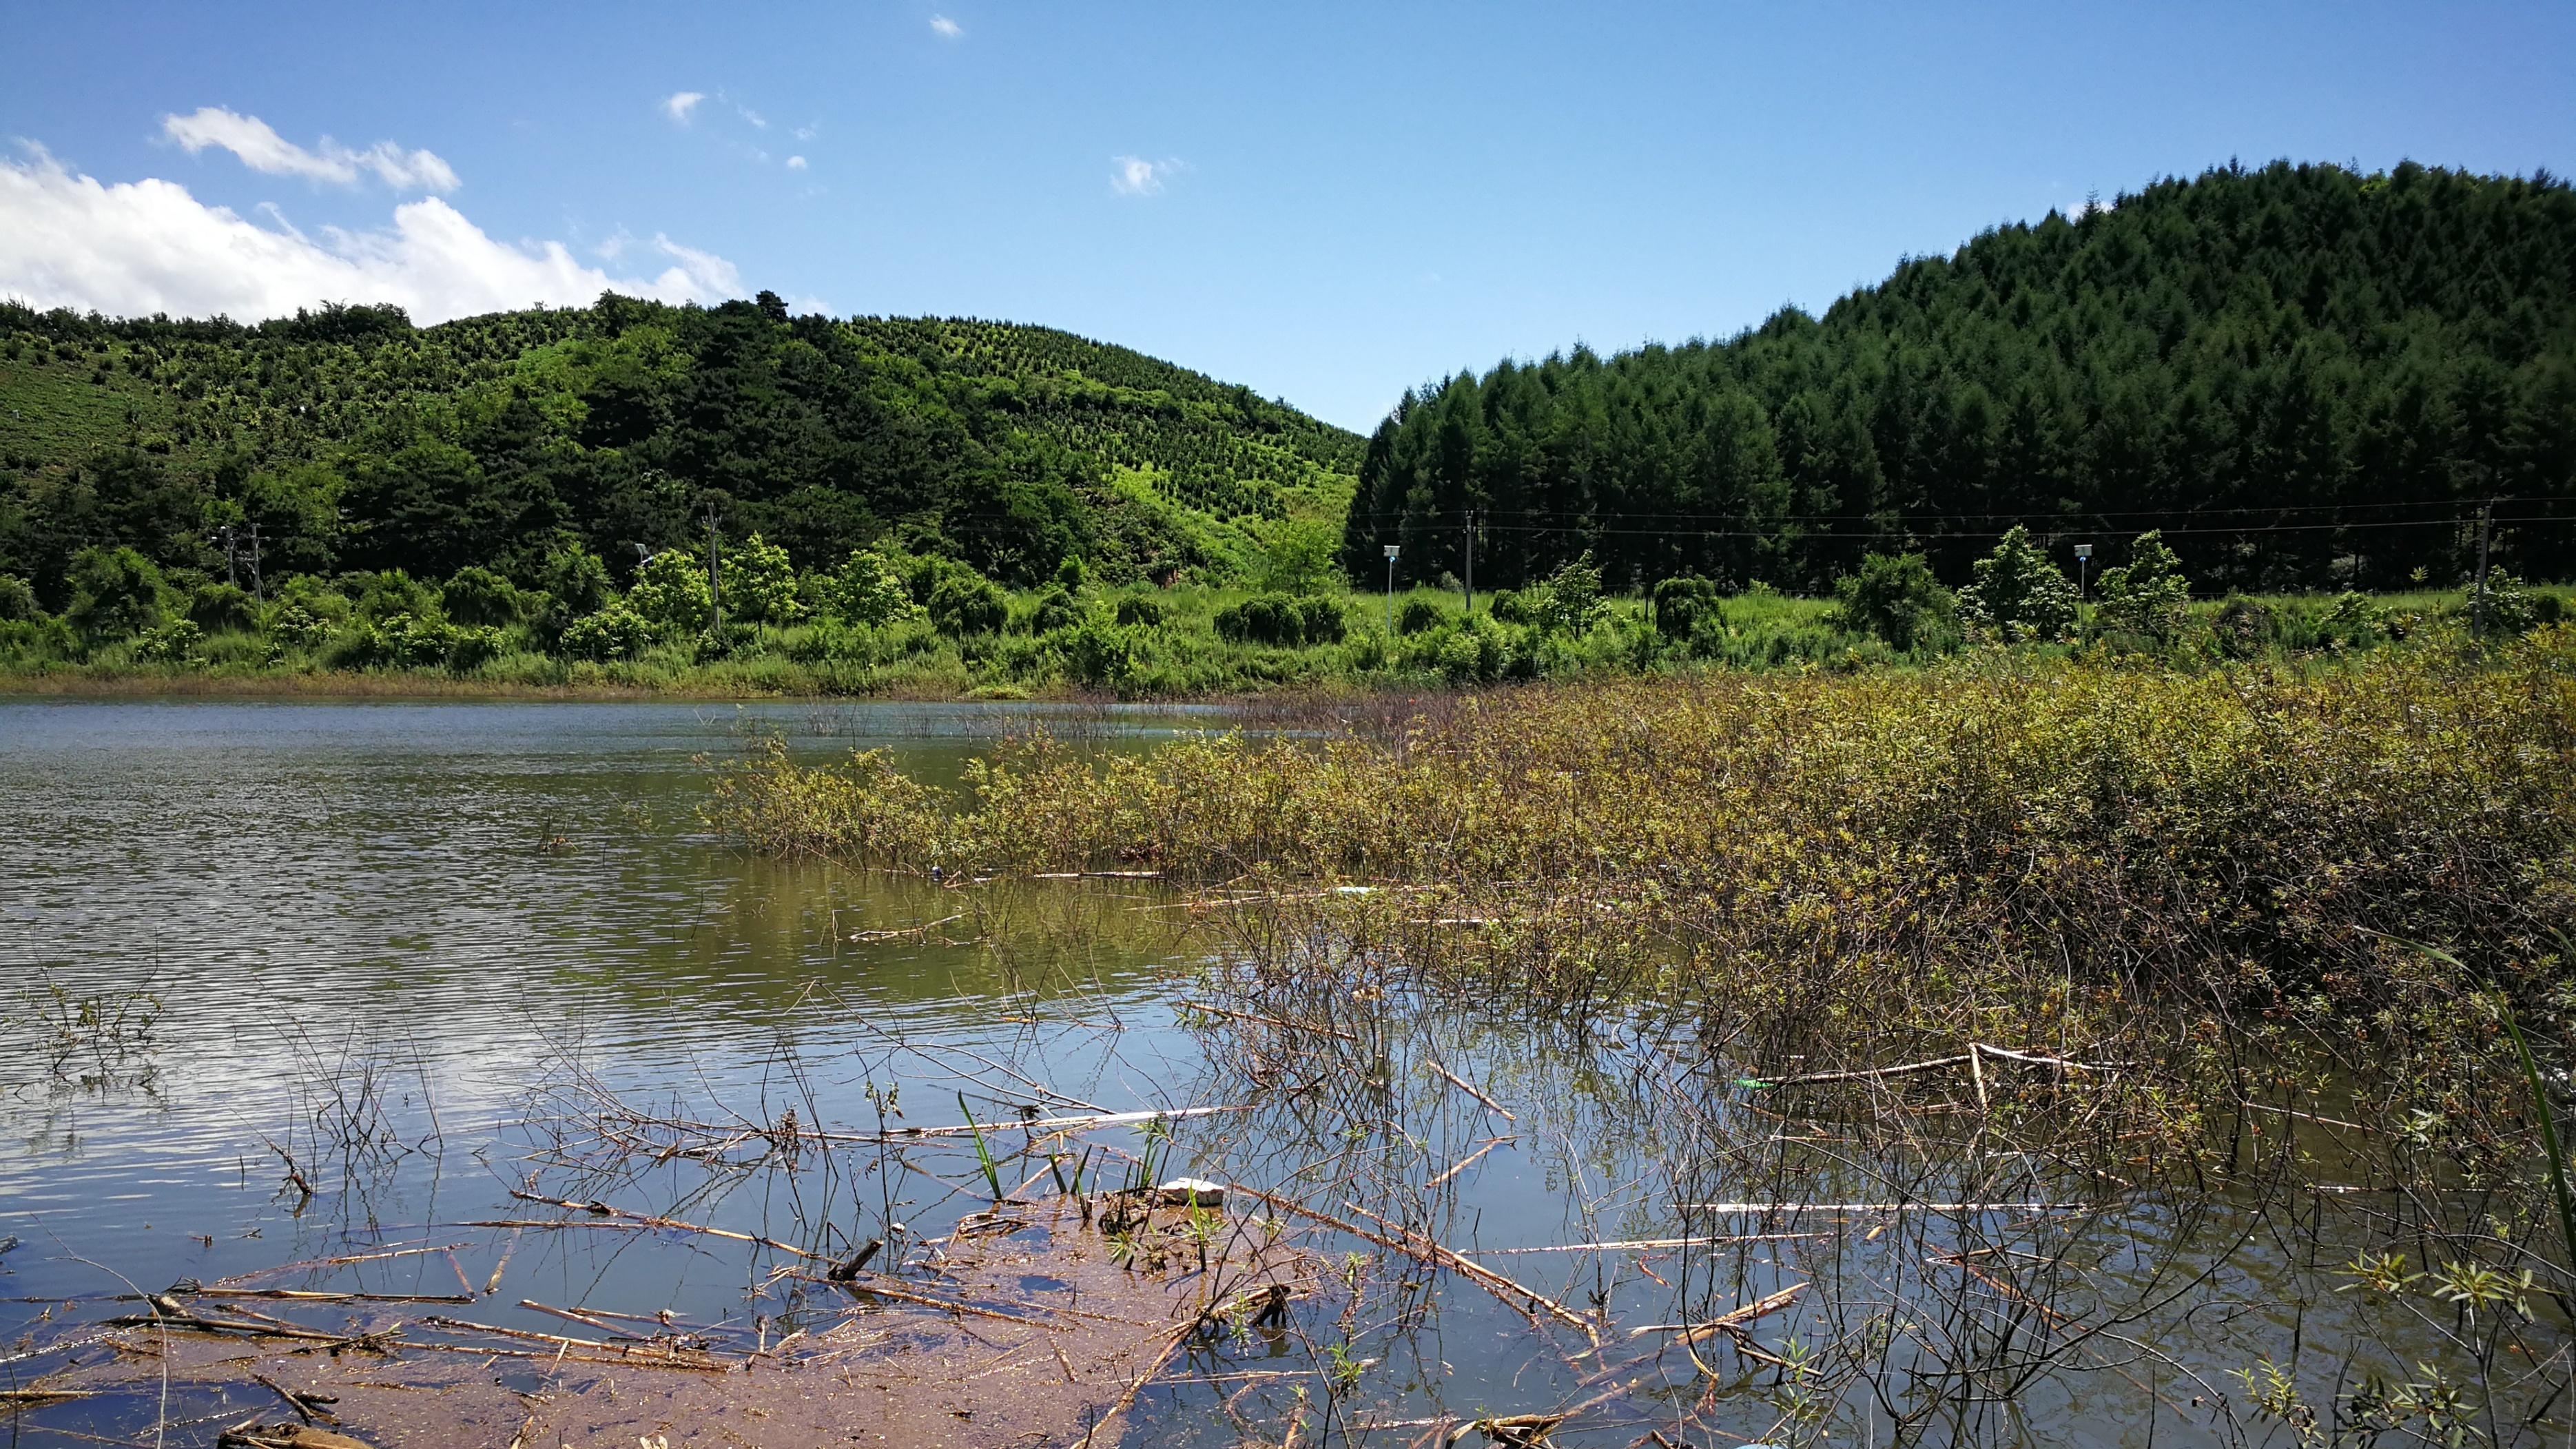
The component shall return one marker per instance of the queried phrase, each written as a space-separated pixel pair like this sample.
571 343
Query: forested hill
357 441
2305 376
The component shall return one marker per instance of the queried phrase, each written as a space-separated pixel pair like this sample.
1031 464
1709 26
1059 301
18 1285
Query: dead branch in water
601 1209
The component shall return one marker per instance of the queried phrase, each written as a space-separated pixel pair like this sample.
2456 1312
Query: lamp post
1392 550
2083 566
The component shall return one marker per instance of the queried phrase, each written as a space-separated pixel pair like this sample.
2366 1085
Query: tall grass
2206 871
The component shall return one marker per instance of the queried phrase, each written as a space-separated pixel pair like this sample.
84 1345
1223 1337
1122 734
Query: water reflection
420 969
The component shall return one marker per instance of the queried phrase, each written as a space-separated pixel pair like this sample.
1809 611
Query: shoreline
138 687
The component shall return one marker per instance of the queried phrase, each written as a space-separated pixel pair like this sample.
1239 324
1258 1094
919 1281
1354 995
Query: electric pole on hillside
2478 606
232 553
715 585
1470 583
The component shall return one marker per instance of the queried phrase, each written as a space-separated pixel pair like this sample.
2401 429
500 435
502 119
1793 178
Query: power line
2088 516
1765 533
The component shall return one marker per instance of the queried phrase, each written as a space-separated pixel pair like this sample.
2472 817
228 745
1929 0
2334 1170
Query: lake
399 960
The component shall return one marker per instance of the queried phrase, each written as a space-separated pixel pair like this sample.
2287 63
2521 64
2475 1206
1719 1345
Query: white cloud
807 133
758 121
945 28
1136 176
681 103
262 149
134 248
795 163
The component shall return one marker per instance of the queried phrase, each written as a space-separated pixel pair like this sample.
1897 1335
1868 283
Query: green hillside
356 441
2305 376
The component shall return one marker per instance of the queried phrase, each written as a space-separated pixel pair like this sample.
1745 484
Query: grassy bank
1181 643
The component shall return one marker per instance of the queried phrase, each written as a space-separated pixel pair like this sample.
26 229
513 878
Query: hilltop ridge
358 441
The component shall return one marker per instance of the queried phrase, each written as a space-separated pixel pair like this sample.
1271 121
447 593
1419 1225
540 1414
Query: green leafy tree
1298 557
2149 595
616 632
670 593
389 592
17 600
117 593
867 590
478 596
1895 597
219 608
1573 595
2019 594
759 583
577 581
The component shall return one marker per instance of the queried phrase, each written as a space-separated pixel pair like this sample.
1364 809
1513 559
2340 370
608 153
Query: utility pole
1470 583
2083 568
715 585
2478 607
1392 550
255 591
232 571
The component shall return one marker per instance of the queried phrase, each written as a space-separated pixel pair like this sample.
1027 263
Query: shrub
2149 596
2243 627
577 580
1261 619
116 593
2352 620
173 643
1100 655
1321 619
470 647
293 626
965 603
2019 594
17 600
403 641
866 590
222 608
759 583
671 594
1052 610
1573 595
2511 608
616 632
314 597
476 595
1680 606
1895 597
381 596
1139 609
1281 619
1417 614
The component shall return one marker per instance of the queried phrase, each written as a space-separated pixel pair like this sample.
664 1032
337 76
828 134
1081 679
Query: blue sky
1325 202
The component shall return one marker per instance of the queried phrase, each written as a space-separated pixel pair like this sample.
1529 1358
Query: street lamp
2083 566
1392 550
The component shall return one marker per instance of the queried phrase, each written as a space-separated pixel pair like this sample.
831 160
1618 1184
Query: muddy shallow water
401 961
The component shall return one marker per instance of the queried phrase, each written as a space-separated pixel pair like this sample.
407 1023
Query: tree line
2304 377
